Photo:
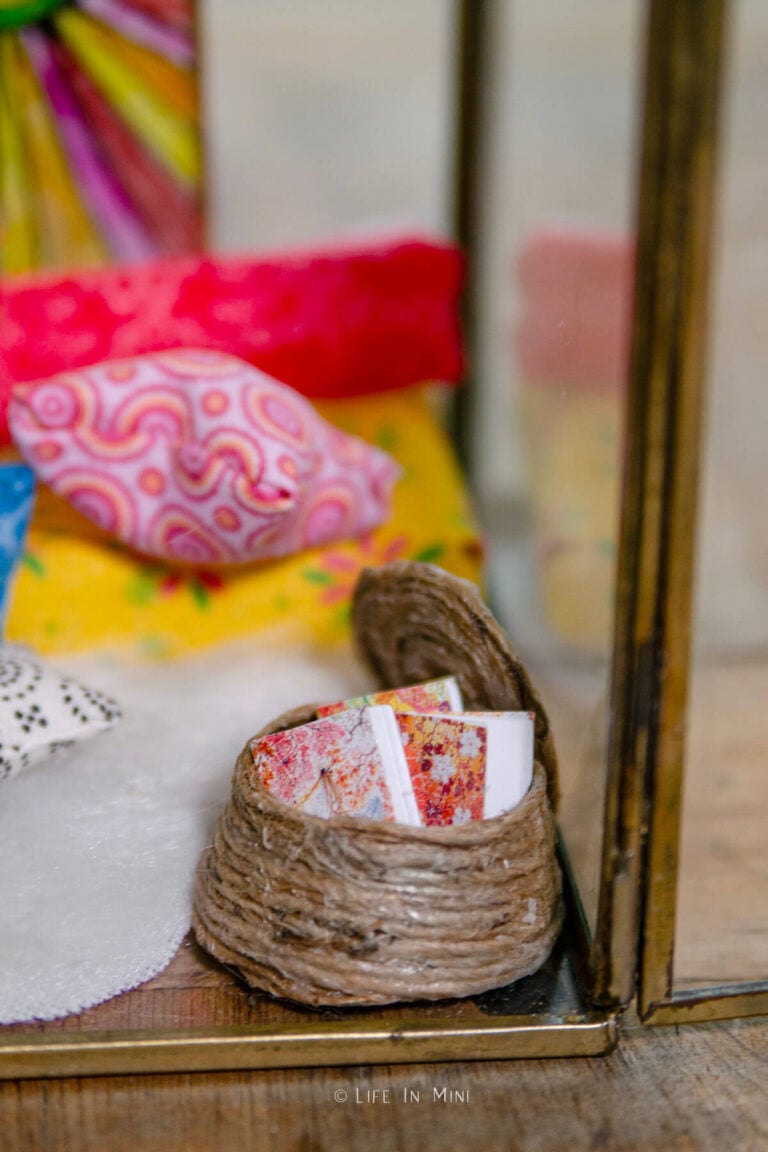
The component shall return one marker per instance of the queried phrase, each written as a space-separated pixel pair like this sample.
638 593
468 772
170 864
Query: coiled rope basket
344 911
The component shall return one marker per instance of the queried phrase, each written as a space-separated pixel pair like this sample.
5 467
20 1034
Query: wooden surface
196 992
701 1089
722 913
722 896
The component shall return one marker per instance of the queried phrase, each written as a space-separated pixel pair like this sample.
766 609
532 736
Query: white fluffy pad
98 847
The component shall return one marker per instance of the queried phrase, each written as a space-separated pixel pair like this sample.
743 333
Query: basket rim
398 579
459 835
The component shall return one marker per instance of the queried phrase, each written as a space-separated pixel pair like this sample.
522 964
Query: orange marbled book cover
338 765
446 759
441 695
468 766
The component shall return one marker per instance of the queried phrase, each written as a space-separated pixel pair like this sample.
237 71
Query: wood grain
698 1088
701 1089
722 911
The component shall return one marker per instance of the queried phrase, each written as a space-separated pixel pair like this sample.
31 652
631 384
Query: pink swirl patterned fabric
196 457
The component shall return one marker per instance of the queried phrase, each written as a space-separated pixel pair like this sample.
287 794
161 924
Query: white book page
509 764
394 763
454 694
509 769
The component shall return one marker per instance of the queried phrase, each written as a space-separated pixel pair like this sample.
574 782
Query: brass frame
420 1036
676 231
472 48
322 1045
651 643
686 57
653 607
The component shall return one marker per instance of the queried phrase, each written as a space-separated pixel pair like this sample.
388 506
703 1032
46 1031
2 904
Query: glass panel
554 272
722 925
326 118
321 118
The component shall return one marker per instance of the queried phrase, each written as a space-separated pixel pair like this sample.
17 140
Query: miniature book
447 763
380 756
351 763
470 766
441 695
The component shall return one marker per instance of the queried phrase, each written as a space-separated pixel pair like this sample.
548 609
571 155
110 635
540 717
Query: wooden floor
282 175
722 891
722 925
696 1088
703 1089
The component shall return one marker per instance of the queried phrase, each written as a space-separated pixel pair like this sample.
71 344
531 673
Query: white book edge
454 694
509 756
509 767
396 773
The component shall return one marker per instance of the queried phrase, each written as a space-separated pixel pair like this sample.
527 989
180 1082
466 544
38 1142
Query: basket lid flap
413 622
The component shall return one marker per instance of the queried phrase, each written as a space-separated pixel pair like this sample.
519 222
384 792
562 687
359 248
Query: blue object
17 495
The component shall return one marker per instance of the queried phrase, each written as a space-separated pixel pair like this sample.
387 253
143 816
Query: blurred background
333 120
326 121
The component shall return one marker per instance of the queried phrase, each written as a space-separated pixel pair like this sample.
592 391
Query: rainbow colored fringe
100 154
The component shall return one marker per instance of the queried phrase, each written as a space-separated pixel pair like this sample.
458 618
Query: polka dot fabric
42 711
196 457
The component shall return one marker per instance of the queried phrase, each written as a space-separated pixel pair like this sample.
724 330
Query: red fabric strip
342 322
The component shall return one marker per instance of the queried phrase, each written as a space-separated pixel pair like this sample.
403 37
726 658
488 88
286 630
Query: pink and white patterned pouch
196 457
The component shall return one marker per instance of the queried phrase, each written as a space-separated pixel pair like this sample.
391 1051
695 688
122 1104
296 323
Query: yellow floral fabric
77 590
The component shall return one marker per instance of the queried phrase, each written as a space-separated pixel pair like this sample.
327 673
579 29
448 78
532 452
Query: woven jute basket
345 911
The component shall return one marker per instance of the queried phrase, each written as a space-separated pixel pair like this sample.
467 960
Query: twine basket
345 911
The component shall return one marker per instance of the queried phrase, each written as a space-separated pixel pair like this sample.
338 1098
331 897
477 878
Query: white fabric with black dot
42 711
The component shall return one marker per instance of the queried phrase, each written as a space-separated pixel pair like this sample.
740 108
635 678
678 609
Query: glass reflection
325 118
722 924
554 270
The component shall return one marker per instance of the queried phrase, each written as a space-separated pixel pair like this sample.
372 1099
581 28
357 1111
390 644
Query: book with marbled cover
446 759
333 766
441 695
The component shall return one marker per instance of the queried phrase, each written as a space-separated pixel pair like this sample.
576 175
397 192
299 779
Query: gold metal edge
471 31
697 35
615 941
706 1005
653 600
522 1037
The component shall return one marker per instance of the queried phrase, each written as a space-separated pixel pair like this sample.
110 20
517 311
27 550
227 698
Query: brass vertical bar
706 33
200 71
469 138
653 606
